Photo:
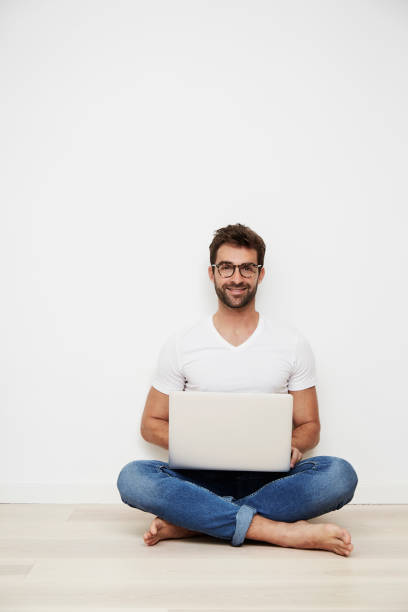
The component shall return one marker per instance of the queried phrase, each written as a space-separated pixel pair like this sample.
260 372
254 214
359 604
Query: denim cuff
243 521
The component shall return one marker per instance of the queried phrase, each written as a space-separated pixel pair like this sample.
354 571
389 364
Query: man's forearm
157 432
306 436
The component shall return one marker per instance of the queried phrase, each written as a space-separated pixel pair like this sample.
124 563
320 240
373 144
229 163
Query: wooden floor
93 557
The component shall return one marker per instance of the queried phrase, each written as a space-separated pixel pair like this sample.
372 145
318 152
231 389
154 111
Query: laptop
230 431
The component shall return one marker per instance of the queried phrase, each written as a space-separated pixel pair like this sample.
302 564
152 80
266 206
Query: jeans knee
344 477
128 480
136 482
123 480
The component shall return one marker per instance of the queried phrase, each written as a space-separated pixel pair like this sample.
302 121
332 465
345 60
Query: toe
340 547
149 539
346 537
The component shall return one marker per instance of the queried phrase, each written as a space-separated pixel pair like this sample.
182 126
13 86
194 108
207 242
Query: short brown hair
238 235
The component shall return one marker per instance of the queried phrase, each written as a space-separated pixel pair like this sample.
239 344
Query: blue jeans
222 503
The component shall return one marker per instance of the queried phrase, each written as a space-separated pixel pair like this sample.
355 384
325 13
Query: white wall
131 131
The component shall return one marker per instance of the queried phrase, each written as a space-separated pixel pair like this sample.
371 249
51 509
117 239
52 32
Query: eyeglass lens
247 270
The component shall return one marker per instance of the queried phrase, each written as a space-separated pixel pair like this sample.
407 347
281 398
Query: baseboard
394 493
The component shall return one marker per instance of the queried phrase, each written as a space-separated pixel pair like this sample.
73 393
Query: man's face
224 287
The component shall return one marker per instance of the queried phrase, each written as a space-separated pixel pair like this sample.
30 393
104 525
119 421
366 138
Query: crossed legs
276 513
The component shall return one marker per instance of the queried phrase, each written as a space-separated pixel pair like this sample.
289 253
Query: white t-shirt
276 358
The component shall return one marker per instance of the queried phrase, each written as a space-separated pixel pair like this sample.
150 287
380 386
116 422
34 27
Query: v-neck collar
243 344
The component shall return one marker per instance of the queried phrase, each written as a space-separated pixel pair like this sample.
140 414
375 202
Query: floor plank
93 557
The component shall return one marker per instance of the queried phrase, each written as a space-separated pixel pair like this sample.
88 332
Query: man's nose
237 276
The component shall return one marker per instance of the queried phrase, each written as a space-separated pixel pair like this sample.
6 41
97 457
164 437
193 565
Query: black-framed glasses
247 270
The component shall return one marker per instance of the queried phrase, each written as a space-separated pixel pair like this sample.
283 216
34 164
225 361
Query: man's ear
211 273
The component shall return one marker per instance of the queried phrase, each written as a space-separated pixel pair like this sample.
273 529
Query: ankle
265 529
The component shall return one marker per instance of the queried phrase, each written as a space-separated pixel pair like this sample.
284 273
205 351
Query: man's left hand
295 456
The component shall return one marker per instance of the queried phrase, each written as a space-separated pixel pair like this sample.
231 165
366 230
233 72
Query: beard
235 301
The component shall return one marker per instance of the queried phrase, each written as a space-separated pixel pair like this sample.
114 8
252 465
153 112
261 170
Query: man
237 349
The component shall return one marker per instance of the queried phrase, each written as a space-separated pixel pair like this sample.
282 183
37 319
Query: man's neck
235 319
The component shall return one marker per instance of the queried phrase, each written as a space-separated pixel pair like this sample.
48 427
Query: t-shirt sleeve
168 375
303 373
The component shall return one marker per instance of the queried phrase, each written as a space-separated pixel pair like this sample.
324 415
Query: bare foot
163 530
301 534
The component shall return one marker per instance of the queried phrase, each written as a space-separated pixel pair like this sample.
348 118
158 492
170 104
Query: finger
296 456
